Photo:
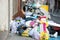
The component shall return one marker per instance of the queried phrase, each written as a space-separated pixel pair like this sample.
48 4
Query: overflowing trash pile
34 24
35 28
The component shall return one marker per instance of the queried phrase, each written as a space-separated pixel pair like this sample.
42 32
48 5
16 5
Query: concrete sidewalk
17 37
3 35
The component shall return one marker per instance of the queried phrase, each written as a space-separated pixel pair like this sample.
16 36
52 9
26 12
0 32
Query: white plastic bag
28 23
28 13
13 27
34 33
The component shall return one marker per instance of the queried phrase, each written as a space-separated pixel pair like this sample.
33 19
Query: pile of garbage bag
33 25
30 27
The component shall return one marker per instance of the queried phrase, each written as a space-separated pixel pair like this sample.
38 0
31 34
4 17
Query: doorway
57 4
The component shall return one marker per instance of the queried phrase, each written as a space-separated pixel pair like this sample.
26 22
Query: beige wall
4 11
13 7
3 14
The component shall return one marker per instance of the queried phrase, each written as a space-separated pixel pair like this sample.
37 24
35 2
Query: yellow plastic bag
25 35
26 32
45 7
44 36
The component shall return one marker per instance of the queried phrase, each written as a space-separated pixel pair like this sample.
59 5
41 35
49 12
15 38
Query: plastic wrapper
26 32
34 33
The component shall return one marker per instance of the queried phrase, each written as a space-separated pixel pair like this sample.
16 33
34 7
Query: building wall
7 9
4 14
13 8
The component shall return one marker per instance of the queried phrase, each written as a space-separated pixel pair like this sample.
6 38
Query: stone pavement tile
3 35
16 37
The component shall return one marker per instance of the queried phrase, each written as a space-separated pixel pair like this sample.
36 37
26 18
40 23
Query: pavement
3 35
11 36
17 37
